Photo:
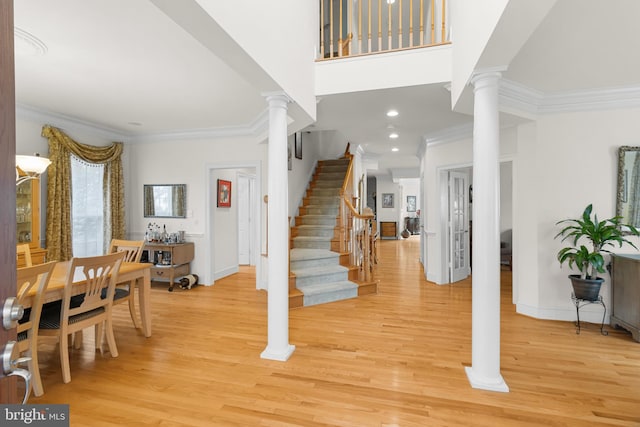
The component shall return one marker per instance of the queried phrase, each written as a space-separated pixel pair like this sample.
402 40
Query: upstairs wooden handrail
363 27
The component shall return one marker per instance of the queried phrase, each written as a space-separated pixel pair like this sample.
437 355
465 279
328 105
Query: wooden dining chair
90 308
28 279
24 250
125 292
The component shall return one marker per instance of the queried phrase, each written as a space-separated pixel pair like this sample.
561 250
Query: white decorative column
484 372
278 347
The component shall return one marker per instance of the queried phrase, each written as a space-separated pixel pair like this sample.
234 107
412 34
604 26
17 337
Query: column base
281 356
483 383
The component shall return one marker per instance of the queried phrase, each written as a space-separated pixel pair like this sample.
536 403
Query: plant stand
579 303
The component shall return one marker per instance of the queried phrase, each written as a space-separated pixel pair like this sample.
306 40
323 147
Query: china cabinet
28 220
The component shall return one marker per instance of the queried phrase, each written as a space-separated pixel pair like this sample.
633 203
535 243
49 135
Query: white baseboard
225 272
591 313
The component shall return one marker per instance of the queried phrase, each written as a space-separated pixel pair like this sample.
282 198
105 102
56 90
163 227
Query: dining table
136 272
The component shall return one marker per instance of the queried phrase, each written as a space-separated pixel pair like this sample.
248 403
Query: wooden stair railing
356 237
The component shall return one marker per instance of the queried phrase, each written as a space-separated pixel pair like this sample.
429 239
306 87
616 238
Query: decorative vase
586 289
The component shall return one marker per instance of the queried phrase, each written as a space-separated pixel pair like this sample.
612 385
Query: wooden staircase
320 272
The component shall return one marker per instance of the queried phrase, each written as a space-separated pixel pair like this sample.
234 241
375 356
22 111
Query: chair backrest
132 249
30 278
97 273
24 250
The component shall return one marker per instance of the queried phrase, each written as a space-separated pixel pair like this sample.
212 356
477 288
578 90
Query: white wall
410 187
188 162
472 24
225 225
560 164
386 185
565 162
171 162
277 38
438 159
331 144
370 72
302 169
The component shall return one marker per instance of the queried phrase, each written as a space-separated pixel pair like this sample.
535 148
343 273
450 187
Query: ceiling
125 66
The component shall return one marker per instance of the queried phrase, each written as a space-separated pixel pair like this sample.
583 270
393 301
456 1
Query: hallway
396 358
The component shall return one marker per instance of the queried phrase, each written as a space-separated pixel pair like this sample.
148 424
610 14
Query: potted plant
589 239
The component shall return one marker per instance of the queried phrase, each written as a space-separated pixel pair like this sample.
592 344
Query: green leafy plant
599 235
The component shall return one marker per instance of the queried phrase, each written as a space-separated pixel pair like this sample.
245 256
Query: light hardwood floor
396 358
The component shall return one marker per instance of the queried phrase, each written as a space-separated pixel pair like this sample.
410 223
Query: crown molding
516 97
256 128
451 134
259 126
65 122
521 100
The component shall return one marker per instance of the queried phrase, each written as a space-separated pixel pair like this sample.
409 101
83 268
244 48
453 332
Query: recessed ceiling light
393 135
391 1
395 149
392 113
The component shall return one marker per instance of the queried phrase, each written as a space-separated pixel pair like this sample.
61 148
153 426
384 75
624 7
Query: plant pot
586 289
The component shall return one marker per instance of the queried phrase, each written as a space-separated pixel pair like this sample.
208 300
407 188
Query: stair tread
319 271
323 238
305 253
322 288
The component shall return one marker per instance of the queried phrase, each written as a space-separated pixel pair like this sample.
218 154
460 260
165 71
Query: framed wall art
387 200
224 193
411 203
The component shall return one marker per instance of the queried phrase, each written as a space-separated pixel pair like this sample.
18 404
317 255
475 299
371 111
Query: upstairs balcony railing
357 27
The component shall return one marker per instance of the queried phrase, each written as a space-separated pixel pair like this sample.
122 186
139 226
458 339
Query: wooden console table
170 261
388 230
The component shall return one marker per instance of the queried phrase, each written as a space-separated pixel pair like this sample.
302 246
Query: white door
244 227
458 226
246 205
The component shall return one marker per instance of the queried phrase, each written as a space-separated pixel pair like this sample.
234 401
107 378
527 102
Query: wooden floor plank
395 358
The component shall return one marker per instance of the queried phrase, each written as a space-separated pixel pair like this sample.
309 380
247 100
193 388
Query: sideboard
170 261
625 293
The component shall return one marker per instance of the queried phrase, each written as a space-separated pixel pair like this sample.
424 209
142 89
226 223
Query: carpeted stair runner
319 275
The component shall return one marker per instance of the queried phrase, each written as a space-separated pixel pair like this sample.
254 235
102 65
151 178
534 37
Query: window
87 208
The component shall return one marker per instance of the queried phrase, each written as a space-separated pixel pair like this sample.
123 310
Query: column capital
277 96
487 73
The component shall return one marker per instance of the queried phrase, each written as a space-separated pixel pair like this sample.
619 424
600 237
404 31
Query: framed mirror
165 201
628 198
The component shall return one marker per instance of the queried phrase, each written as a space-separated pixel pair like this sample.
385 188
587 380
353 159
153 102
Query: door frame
8 388
210 191
444 229
466 268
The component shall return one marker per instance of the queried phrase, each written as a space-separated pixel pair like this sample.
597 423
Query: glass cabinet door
24 213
